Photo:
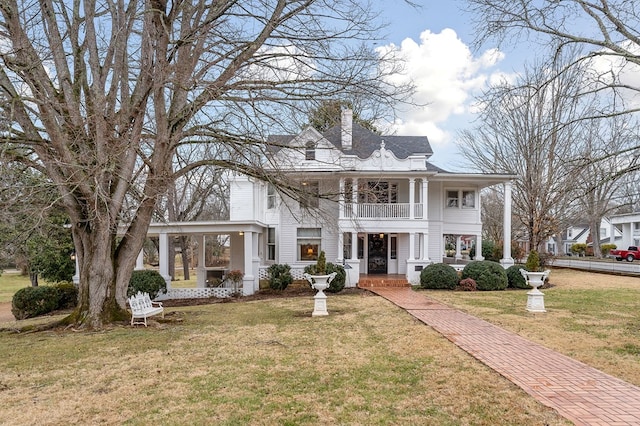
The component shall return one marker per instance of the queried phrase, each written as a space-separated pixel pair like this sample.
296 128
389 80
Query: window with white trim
452 199
310 196
469 199
310 151
271 244
346 246
271 196
461 198
308 243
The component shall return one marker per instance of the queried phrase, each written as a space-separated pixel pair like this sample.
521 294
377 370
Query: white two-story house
373 203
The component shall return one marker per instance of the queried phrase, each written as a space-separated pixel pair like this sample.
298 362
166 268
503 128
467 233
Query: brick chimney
347 129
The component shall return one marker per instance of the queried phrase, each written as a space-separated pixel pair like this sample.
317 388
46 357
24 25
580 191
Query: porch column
425 246
340 246
354 197
412 245
140 261
425 195
163 258
458 244
507 260
248 283
612 233
341 199
479 255
201 272
76 274
354 245
353 264
412 198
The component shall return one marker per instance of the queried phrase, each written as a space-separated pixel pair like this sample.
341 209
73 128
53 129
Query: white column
354 245
479 248
507 260
76 274
353 272
163 257
612 233
412 246
248 282
412 198
340 246
425 196
354 197
140 261
201 272
341 199
425 246
458 244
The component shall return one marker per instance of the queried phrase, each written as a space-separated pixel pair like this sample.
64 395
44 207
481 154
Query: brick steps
370 282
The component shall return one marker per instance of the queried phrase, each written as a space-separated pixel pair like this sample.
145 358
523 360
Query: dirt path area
5 312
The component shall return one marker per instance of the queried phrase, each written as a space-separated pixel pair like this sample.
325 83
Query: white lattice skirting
196 293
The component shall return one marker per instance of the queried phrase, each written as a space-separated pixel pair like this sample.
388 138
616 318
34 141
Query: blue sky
436 39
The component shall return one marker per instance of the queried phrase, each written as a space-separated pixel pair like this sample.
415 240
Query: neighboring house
390 213
629 227
579 234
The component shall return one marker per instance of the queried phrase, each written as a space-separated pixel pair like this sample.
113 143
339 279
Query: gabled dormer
349 146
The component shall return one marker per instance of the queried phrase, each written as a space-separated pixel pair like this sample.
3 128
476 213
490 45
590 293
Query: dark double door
377 254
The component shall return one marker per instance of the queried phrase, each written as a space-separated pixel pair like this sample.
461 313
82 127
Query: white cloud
446 75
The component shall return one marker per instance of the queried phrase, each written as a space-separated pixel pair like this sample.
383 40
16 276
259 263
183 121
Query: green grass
10 283
264 362
594 318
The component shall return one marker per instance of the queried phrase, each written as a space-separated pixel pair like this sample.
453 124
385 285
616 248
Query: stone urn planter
320 283
535 298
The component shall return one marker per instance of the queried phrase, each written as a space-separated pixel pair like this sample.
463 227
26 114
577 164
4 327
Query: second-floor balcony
383 211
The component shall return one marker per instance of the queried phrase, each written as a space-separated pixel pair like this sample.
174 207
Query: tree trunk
33 277
106 263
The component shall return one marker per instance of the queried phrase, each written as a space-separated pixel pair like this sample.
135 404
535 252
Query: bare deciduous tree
602 37
103 94
523 131
598 164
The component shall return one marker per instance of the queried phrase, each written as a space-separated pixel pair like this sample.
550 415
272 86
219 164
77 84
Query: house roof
365 142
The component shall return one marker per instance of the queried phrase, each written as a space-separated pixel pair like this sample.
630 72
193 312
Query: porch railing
382 211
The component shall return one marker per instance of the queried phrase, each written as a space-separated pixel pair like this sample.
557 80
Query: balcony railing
382 211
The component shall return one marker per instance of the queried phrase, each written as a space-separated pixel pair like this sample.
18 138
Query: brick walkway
579 393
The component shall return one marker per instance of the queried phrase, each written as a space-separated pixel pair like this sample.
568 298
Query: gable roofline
364 142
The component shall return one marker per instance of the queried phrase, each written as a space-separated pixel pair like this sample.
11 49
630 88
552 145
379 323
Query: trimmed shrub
147 281
67 295
579 248
467 284
515 278
338 282
606 248
29 302
439 276
488 275
279 276
533 262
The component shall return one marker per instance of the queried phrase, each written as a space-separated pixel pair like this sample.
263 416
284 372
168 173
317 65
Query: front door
377 254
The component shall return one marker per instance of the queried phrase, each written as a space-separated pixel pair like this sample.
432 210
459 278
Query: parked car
631 254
